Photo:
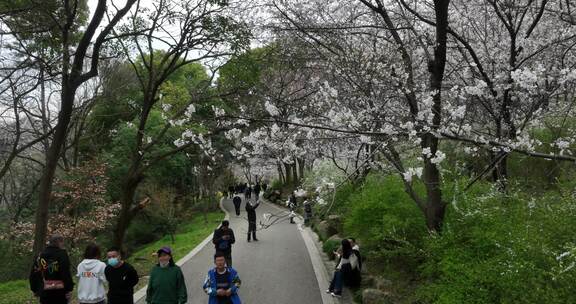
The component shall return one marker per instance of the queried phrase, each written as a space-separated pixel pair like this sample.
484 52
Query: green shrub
330 246
498 248
385 219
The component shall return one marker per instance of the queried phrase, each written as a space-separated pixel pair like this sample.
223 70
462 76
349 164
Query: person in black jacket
50 277
121 277
237 202
251 210
223 239
248 192
257 190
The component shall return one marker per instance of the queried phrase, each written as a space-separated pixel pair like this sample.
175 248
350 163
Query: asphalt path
275 270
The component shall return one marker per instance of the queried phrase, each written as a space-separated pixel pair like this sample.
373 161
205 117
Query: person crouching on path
121 277
91 277
223 239
166 284
222 282
251 211
237 202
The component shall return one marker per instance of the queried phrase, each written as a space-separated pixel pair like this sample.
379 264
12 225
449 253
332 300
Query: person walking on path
251 211
257 189
223 239
237 201
166 284
50 277
230 191
121 277
292 207
248 192
307 211
222 283
347 263
91 277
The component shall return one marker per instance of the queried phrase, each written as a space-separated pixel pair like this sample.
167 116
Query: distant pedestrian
222 282
237 201
248 192
347 263
91 277
223 239
257 189
292 207
251 211
50 278
121 277
166 284
307 211
230 191
264 187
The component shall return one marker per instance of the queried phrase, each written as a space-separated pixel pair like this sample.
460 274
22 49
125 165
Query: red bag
53 284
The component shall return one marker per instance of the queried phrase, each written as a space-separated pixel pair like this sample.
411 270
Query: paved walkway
275 270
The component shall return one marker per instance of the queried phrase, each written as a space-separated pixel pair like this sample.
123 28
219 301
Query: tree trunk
435 208
281 173
52 156
295 175
288 170
127 211
301 166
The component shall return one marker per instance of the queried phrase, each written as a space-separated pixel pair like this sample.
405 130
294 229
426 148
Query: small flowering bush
80 208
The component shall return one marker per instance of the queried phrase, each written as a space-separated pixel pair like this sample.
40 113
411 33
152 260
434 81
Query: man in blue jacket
222 283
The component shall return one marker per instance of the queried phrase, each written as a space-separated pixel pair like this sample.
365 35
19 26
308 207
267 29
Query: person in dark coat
248 192
237 202
257 190
251 210
50 277
121 277
230 191
223 239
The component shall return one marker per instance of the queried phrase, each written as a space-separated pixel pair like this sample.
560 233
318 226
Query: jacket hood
90 264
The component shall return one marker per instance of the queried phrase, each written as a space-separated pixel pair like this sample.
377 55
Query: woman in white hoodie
91 277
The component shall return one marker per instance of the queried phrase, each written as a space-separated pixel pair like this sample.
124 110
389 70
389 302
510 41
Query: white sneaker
336 295
328 291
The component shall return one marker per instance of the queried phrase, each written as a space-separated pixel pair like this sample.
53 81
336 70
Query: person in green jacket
166 284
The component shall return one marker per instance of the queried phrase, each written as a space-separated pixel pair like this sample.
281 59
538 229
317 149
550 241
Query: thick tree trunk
53 154
435 207
288 169
301 167
127 210
281 173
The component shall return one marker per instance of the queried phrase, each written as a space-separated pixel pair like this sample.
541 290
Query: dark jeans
237 208
252 229
336 283
228 258
53 300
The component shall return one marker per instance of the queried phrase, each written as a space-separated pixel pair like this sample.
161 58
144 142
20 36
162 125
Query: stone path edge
322 274
140 294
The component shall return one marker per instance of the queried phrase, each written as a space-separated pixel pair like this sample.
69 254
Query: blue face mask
113 262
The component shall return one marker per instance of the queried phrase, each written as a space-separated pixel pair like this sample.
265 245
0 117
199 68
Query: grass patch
188 236
15 292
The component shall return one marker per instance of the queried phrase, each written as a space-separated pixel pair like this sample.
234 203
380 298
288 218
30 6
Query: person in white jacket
91 277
